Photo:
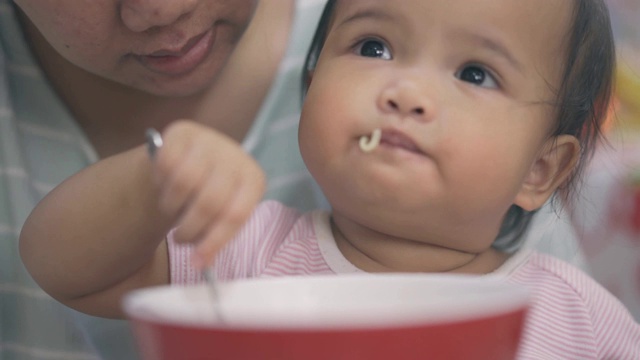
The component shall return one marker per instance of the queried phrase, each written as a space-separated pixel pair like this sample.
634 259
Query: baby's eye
477 75
373 48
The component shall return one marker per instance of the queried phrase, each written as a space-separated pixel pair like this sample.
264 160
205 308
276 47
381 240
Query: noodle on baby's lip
368 144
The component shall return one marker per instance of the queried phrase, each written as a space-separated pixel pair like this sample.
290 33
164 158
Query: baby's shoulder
547 275
570 307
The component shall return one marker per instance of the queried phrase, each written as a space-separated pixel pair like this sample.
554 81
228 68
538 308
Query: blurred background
607 216
626 24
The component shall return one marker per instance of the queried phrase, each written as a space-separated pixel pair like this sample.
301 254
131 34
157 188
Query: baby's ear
552 167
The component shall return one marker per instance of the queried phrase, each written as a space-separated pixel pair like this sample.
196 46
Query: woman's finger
235 215
208 202
185 181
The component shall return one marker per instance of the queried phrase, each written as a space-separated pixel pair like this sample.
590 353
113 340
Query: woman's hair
581 101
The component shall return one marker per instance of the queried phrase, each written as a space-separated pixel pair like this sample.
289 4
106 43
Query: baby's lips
399 139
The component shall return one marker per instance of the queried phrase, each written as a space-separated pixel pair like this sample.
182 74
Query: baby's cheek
486 171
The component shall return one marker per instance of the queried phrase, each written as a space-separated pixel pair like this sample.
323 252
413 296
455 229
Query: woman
82 81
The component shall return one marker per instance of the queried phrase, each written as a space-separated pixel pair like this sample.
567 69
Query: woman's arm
101 232
98 234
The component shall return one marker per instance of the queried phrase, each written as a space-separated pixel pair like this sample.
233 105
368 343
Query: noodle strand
368 144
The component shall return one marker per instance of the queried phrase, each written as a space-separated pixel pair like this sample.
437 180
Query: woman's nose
406 99
141 15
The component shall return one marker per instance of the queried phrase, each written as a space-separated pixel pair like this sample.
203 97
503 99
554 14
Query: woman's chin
175 87
194 82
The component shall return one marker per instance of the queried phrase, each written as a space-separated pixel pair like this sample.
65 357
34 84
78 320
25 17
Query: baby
432 128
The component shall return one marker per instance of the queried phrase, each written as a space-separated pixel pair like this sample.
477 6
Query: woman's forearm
99 232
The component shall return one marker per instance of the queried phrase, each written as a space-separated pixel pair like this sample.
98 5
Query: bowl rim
518 299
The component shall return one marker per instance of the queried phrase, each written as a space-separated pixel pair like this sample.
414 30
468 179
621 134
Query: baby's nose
405 107
406 100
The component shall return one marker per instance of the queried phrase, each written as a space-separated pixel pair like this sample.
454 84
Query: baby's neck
372 251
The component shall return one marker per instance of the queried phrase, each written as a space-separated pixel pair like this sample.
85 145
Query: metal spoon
154 143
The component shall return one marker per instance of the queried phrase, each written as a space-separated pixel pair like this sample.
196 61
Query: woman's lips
182 61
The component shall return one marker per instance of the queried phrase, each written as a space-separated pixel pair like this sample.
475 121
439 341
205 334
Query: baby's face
460 90
166 47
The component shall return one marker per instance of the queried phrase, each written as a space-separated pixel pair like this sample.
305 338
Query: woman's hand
208 183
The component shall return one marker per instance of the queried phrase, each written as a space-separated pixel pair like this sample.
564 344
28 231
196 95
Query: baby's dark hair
582 104
581 101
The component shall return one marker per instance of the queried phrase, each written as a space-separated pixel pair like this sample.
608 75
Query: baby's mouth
389 138
399 140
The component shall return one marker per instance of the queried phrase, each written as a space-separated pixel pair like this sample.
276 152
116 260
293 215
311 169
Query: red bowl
403 316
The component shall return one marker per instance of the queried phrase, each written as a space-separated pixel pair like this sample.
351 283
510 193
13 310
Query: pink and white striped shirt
571 317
